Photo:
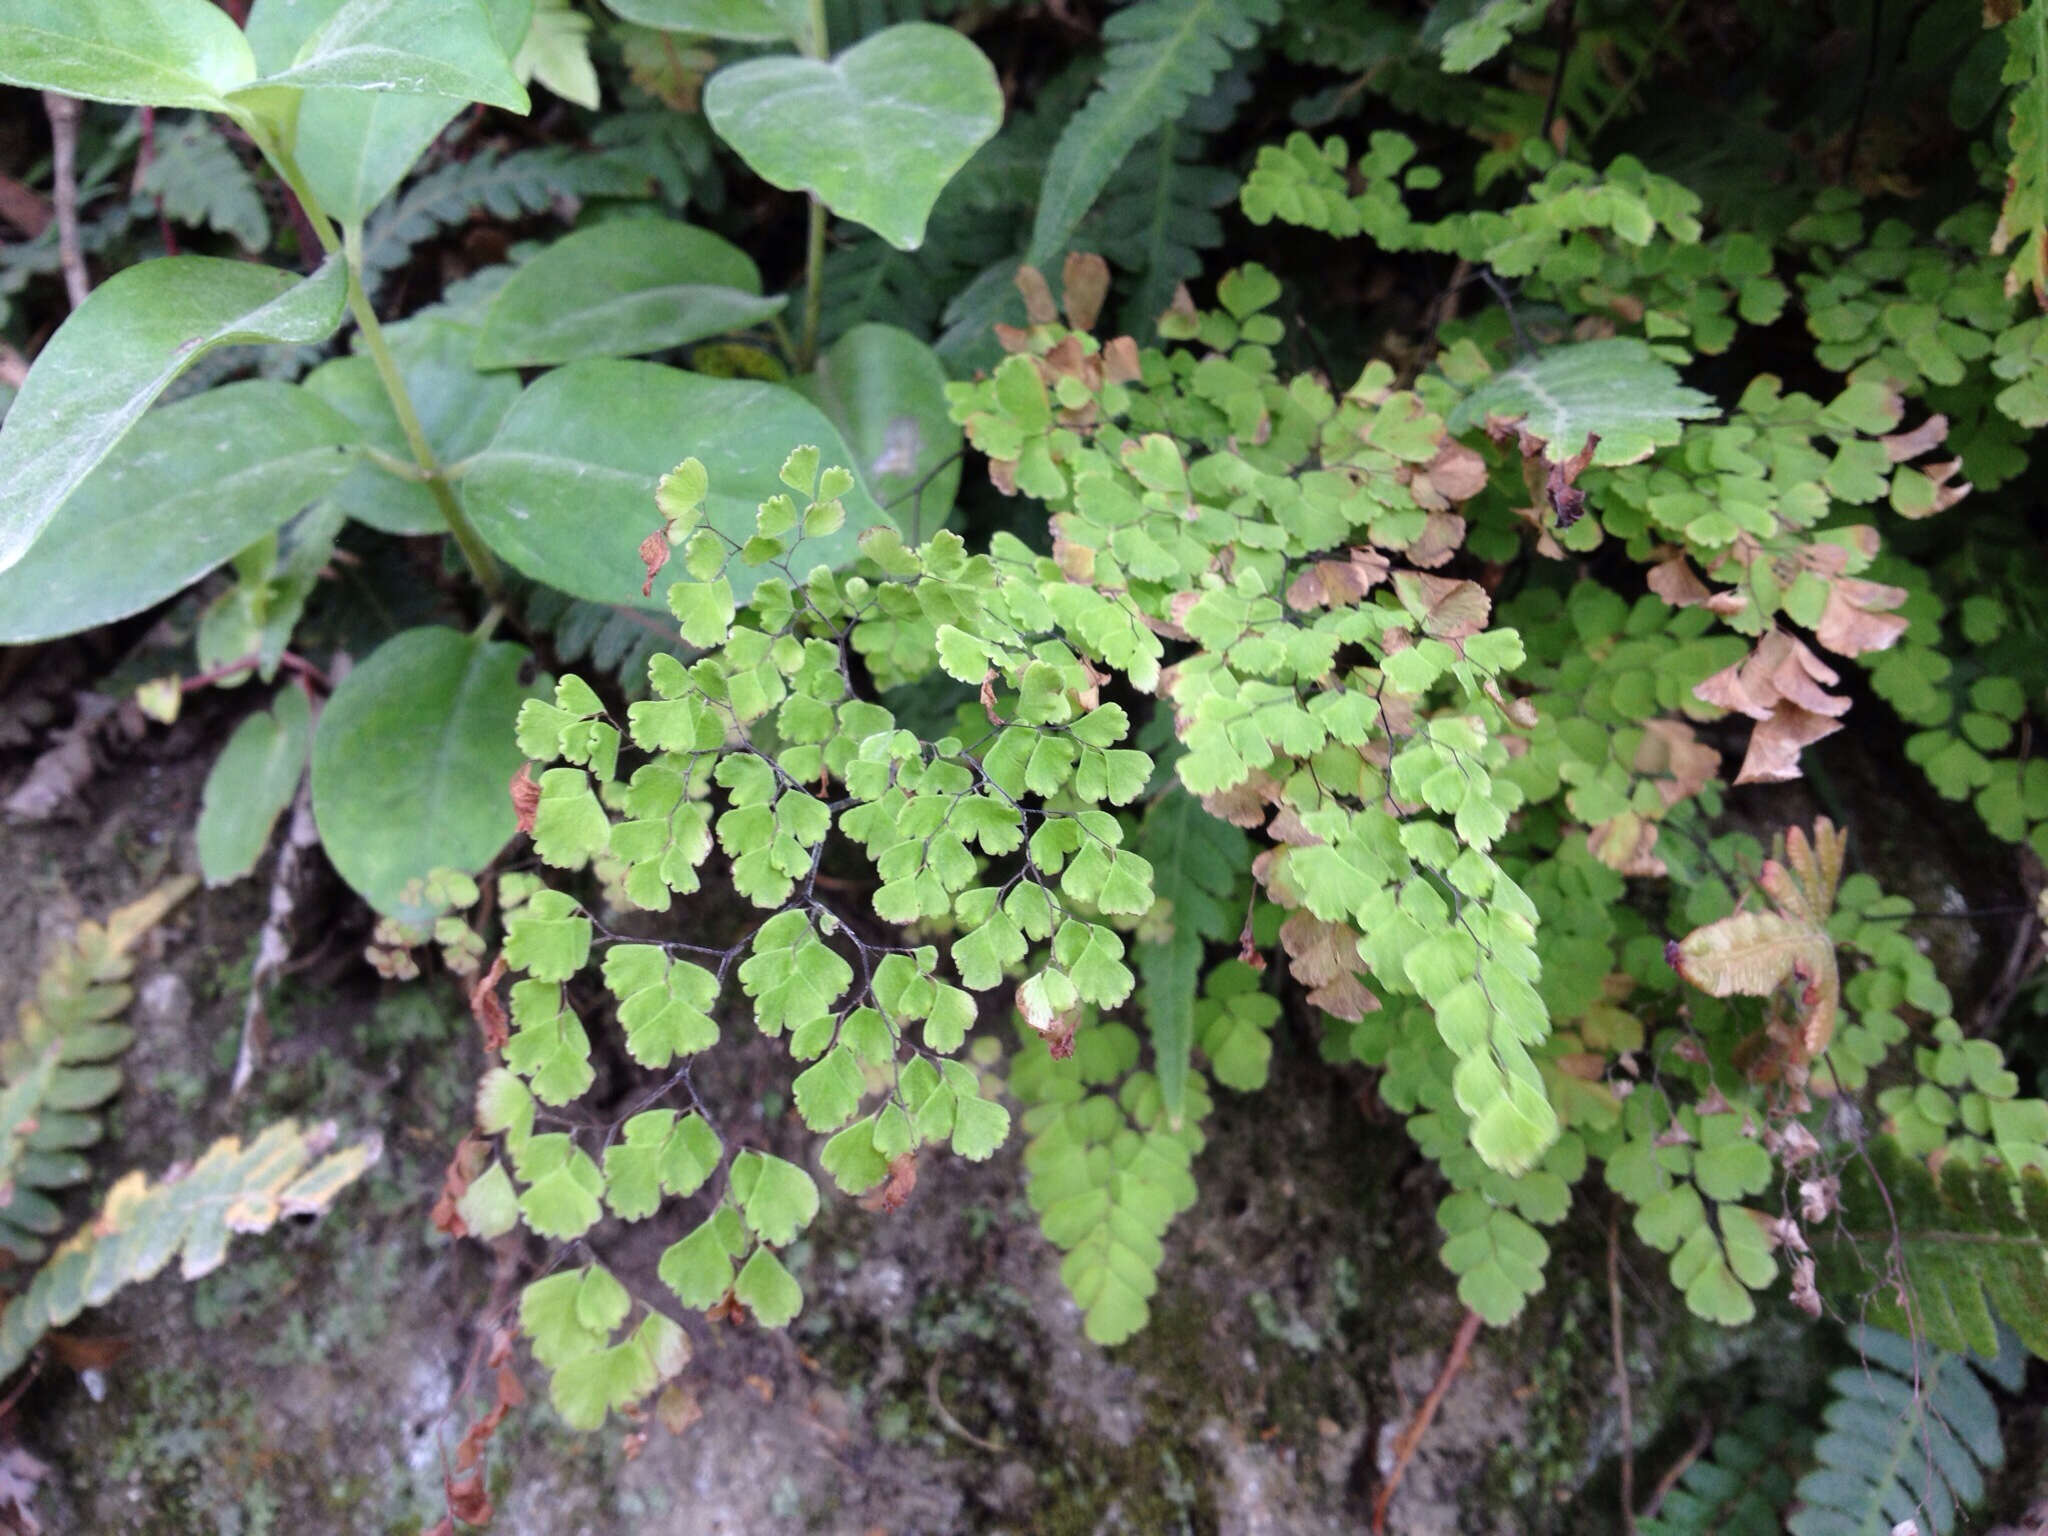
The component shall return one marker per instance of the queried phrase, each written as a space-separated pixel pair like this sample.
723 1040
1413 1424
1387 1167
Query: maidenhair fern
1910 1433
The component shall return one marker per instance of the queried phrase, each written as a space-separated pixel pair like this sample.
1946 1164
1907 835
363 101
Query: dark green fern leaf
1743 1483
1163 54
1910 1433
505 186
60 1067
1159 213
617 641
1973 1243
198 180
1197 863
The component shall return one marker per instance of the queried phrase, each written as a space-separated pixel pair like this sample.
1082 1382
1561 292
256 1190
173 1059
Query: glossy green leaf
136 332
407 47
354 146
876 133
886 393
162 53
459 408
620 289
253 780
191 487
411 759
743 21
565 491
1617 389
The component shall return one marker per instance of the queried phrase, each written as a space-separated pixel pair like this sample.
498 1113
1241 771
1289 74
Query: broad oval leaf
411 759
152 53
876 133
886 393
192 486
354 146
410 47
136 332
620 289
253 780
741 21
565 492
458 408
1615 388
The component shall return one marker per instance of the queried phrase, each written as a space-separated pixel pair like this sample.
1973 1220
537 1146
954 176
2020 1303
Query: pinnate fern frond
1741 1485
188 1215
2023 220
506 186
1973 1244
1910 1433
59 1068
1162 55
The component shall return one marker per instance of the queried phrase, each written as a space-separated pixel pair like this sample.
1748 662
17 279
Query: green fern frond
1197 862
616 641
2023 221
505 186
199 180
1743 1483
1106 1175
191 1215
1163 54
1973 1244
1910 1433
59 1067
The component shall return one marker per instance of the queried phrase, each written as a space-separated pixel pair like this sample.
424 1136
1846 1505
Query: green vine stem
348 245
482 563
816 47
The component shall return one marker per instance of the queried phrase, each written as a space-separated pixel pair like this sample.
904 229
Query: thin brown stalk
63 111
1411 1437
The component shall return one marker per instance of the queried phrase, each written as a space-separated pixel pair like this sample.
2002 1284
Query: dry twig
1621 1389
1411 1437
64 111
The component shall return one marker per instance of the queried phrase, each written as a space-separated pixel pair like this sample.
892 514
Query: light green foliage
1107 1173
1910 1434
917 99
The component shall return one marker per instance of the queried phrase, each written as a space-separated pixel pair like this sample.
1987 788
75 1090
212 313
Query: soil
938 1380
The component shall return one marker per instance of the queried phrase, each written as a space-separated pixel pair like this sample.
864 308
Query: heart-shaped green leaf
458 408
411 759
876 133
192 486
138 331
886 393
410 47
565 492
354 146
623 288
253 780
160 53
742 21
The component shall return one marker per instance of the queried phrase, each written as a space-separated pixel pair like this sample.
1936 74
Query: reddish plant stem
240 664
1411 1437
